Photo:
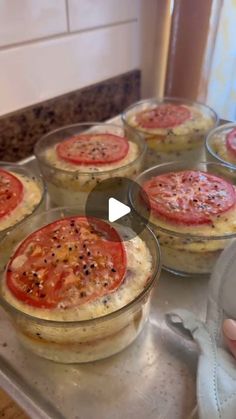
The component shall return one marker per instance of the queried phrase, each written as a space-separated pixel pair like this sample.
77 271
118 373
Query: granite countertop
20 130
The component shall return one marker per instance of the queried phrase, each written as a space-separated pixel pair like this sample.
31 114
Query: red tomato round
189 197
11 192
93 149
231 141
164 115
67 263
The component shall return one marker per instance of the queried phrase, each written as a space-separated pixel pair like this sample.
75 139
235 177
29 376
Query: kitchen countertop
9 409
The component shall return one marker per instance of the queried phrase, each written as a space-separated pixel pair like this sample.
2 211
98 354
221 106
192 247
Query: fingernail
229 329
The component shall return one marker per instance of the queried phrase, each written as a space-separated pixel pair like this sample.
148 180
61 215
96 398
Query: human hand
229 331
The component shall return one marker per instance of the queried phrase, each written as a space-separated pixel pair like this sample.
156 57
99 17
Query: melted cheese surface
221 224
198 123
31 198
139 268
220 149
52 158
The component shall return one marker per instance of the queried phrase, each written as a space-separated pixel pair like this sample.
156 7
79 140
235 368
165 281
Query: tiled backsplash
50 48
27 20
20 130
85 14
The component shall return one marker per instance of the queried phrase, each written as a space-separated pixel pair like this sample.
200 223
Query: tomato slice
93 149
67 263
231 141
164 115
11 192
189 197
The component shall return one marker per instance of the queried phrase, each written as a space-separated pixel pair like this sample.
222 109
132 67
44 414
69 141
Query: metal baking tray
154 378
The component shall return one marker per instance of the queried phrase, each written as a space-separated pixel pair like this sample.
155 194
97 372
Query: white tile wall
24 20
36 72
85 14
51 47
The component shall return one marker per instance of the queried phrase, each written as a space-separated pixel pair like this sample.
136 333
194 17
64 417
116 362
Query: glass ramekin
216 150
17 169
183 253
71 188
169 146
78 341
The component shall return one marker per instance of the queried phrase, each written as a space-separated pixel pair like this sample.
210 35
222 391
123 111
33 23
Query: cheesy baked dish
221 148
193 213
80 292
21 194
173 128
75 159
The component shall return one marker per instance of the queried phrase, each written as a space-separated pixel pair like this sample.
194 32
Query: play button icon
109 200
116 210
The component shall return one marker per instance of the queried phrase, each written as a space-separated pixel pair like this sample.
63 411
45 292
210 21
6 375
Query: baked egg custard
80 291
75 159
221 147
173 128
193 213
20 194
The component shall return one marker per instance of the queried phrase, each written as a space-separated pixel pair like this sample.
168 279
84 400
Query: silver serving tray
154 378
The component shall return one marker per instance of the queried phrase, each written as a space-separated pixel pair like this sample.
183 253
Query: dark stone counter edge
19 131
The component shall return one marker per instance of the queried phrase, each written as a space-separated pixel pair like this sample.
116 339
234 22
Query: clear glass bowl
171 144
185 250
71 187
216 150
34 209
78 341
